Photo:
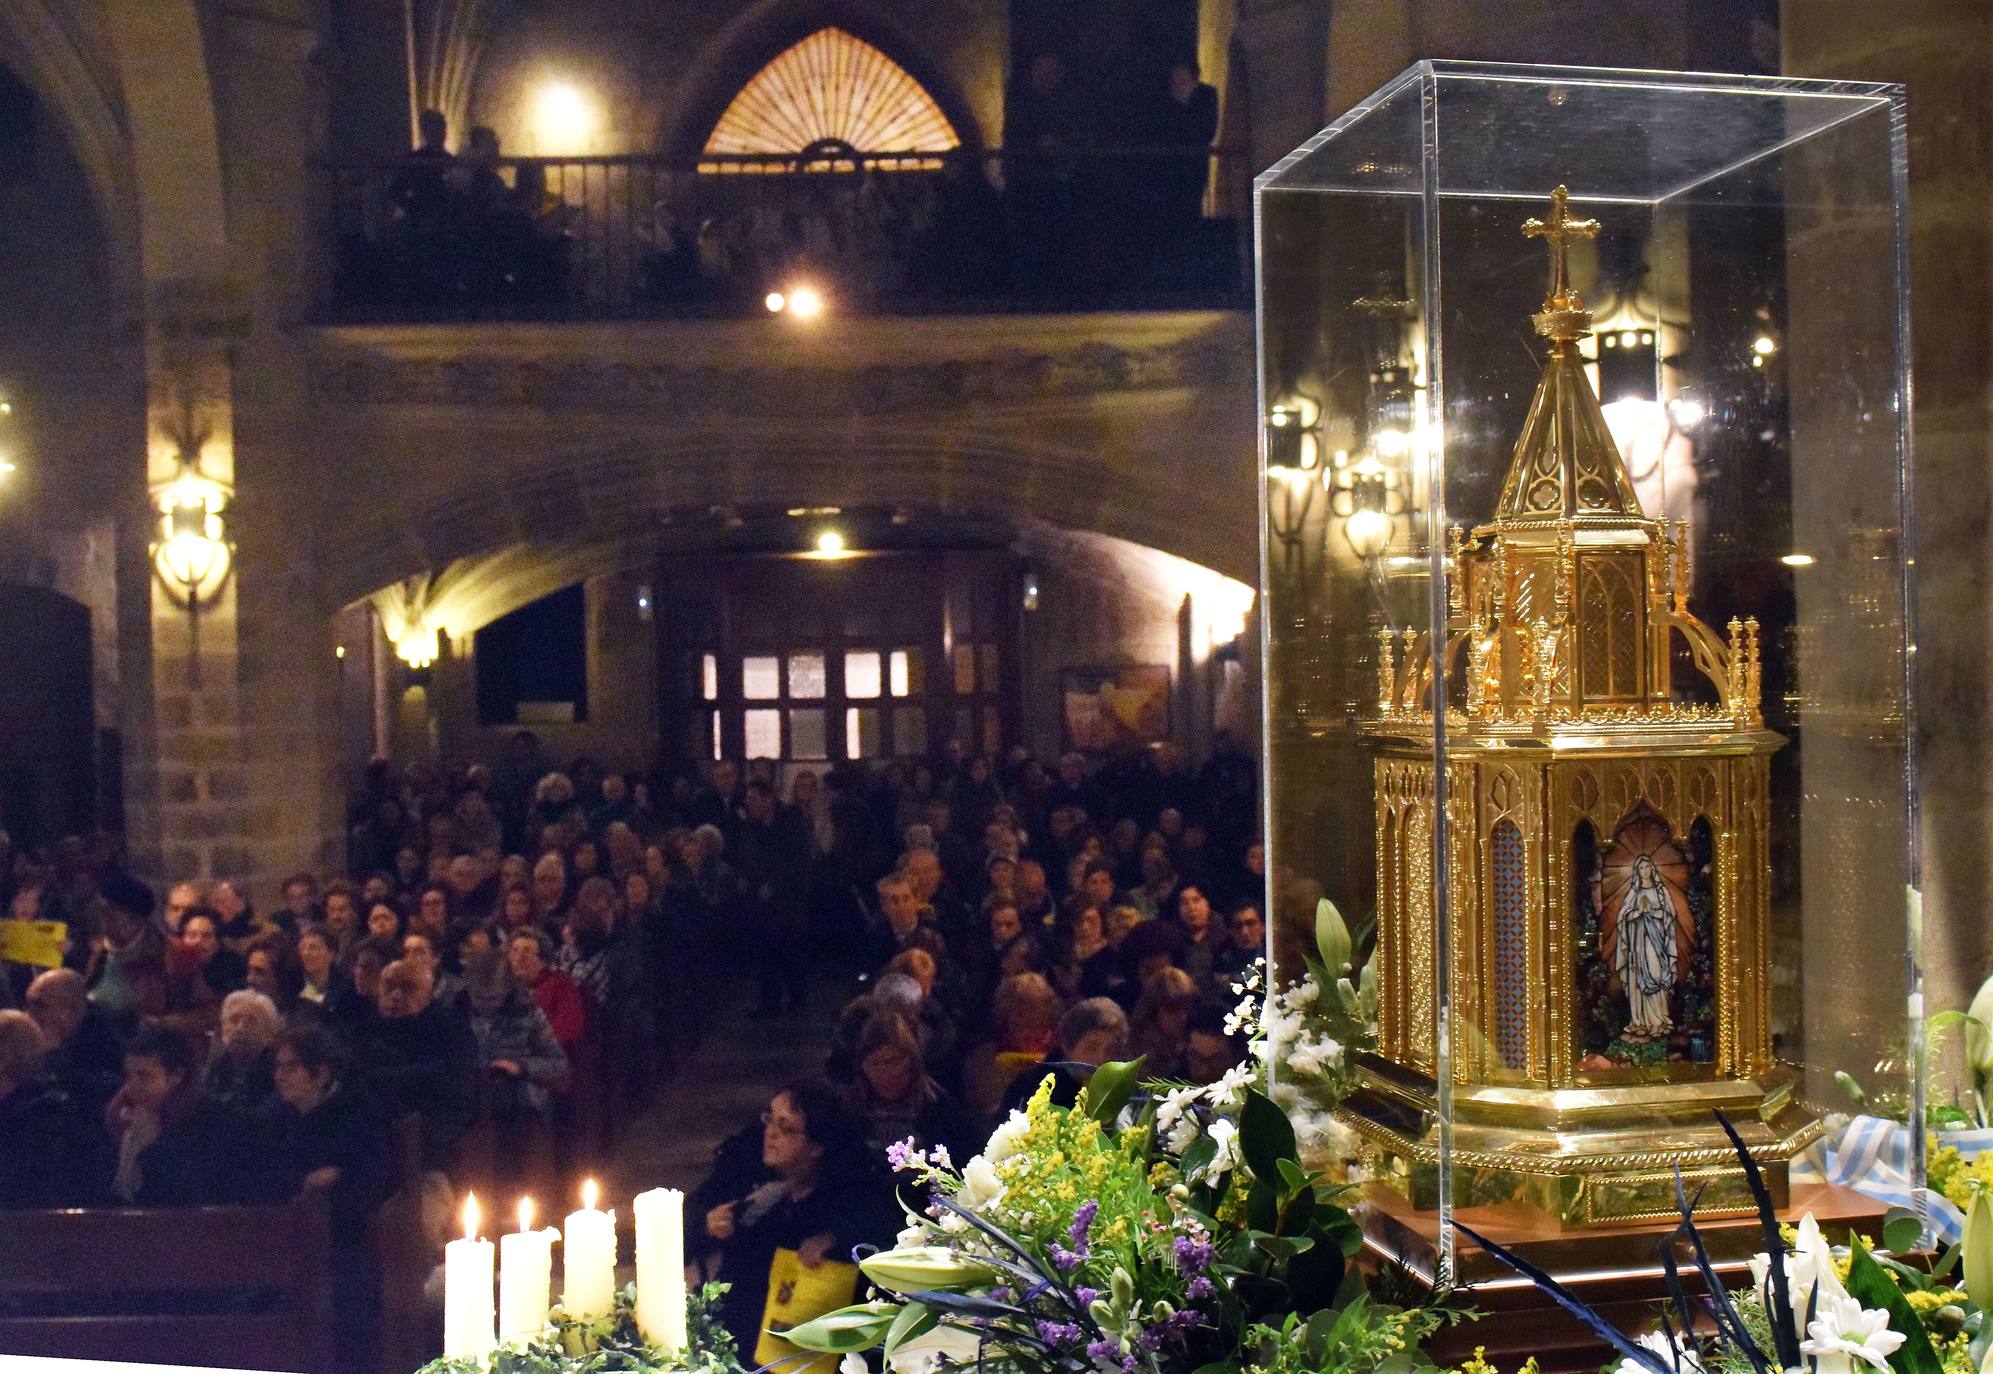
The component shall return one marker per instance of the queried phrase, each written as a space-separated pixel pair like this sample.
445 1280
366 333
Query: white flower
1226 1136
1843 1331
853 1364
938 1157
1230 1090
1809 1274
1005 1139
981 1187
915 1233
1312 1056
1677 1354
953 1224
1176 1120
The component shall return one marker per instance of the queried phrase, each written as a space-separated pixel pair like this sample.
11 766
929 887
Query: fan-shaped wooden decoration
832 86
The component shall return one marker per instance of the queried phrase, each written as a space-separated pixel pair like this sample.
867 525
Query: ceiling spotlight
816 512
1764 346
1798 560
830 544
776 302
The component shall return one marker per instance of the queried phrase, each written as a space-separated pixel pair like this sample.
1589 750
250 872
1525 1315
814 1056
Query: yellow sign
33 942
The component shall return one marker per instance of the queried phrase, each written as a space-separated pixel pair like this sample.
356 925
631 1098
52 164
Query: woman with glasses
801 1179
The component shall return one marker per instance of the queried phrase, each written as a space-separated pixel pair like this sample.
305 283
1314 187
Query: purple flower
1193 1256
900 1154
1058 1333
1200 1288
1064 1258
1083 1223
1087 1296
1000 1294
1102 1350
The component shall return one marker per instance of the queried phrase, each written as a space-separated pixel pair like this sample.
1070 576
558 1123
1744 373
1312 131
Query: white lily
926 1354
1843 1331
1175 1119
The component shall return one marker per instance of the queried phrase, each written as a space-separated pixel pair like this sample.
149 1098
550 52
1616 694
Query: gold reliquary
1607 835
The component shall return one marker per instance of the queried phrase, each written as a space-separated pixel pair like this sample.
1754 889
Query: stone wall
1942 50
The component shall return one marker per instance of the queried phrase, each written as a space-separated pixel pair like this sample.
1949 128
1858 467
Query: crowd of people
519 953
1056 210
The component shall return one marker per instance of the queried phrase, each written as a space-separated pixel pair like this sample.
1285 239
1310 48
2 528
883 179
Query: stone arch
631 491
767 29
63 53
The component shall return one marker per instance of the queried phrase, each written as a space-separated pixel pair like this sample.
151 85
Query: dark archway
47 777
767 30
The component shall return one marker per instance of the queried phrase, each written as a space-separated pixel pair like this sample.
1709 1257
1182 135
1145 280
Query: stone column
1942 50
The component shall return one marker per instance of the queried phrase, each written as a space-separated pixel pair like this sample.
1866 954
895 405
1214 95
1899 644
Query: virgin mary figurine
1645 961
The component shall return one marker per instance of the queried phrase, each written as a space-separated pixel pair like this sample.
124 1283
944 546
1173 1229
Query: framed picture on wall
1105 709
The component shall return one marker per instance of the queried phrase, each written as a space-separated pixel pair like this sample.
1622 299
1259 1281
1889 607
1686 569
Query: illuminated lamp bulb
775 301
1367 531
1764 346
805 302
830 543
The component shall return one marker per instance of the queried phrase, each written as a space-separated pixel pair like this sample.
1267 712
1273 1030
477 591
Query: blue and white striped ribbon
1872 1156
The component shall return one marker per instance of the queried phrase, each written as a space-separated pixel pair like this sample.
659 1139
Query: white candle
467 1310
525 1278
588 1259
660 1216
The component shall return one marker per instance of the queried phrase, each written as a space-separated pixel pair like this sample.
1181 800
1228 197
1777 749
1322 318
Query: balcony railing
638 237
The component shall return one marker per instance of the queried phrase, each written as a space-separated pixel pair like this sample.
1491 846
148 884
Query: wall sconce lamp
1293 471
1366 497
192 554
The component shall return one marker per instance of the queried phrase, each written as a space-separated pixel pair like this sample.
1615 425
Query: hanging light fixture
192 554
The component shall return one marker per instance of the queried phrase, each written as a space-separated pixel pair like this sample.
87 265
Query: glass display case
1588 641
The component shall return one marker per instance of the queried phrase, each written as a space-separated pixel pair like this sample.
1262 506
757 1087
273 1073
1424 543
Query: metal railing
640 237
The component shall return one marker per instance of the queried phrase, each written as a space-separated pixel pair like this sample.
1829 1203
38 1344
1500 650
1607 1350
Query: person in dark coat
895 1098
420 1057
328 1132
800 1180
46 1142
771 848
84 1057
238 1074
174 1148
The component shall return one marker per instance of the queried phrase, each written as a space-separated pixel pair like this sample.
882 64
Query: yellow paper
797 1295
33 942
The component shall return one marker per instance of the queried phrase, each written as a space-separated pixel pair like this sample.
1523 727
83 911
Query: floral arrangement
611 1344
1818 1308
1160 1227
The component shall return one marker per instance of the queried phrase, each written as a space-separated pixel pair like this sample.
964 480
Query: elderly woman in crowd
237 1076
173 1148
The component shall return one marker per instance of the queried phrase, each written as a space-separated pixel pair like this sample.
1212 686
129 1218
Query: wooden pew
246 1287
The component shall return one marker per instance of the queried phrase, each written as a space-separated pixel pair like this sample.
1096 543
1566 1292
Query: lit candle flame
525 1214
470 1216
588 1195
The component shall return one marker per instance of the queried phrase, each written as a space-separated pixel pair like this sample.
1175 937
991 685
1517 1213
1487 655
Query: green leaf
1871 1287
916 1319
1340 1228
1110 1088
1266 1136
1902 1229
1331 937
1262 1208
1198 1157
1291 1175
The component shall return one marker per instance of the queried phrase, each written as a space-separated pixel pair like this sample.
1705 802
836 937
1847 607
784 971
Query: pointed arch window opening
824 101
